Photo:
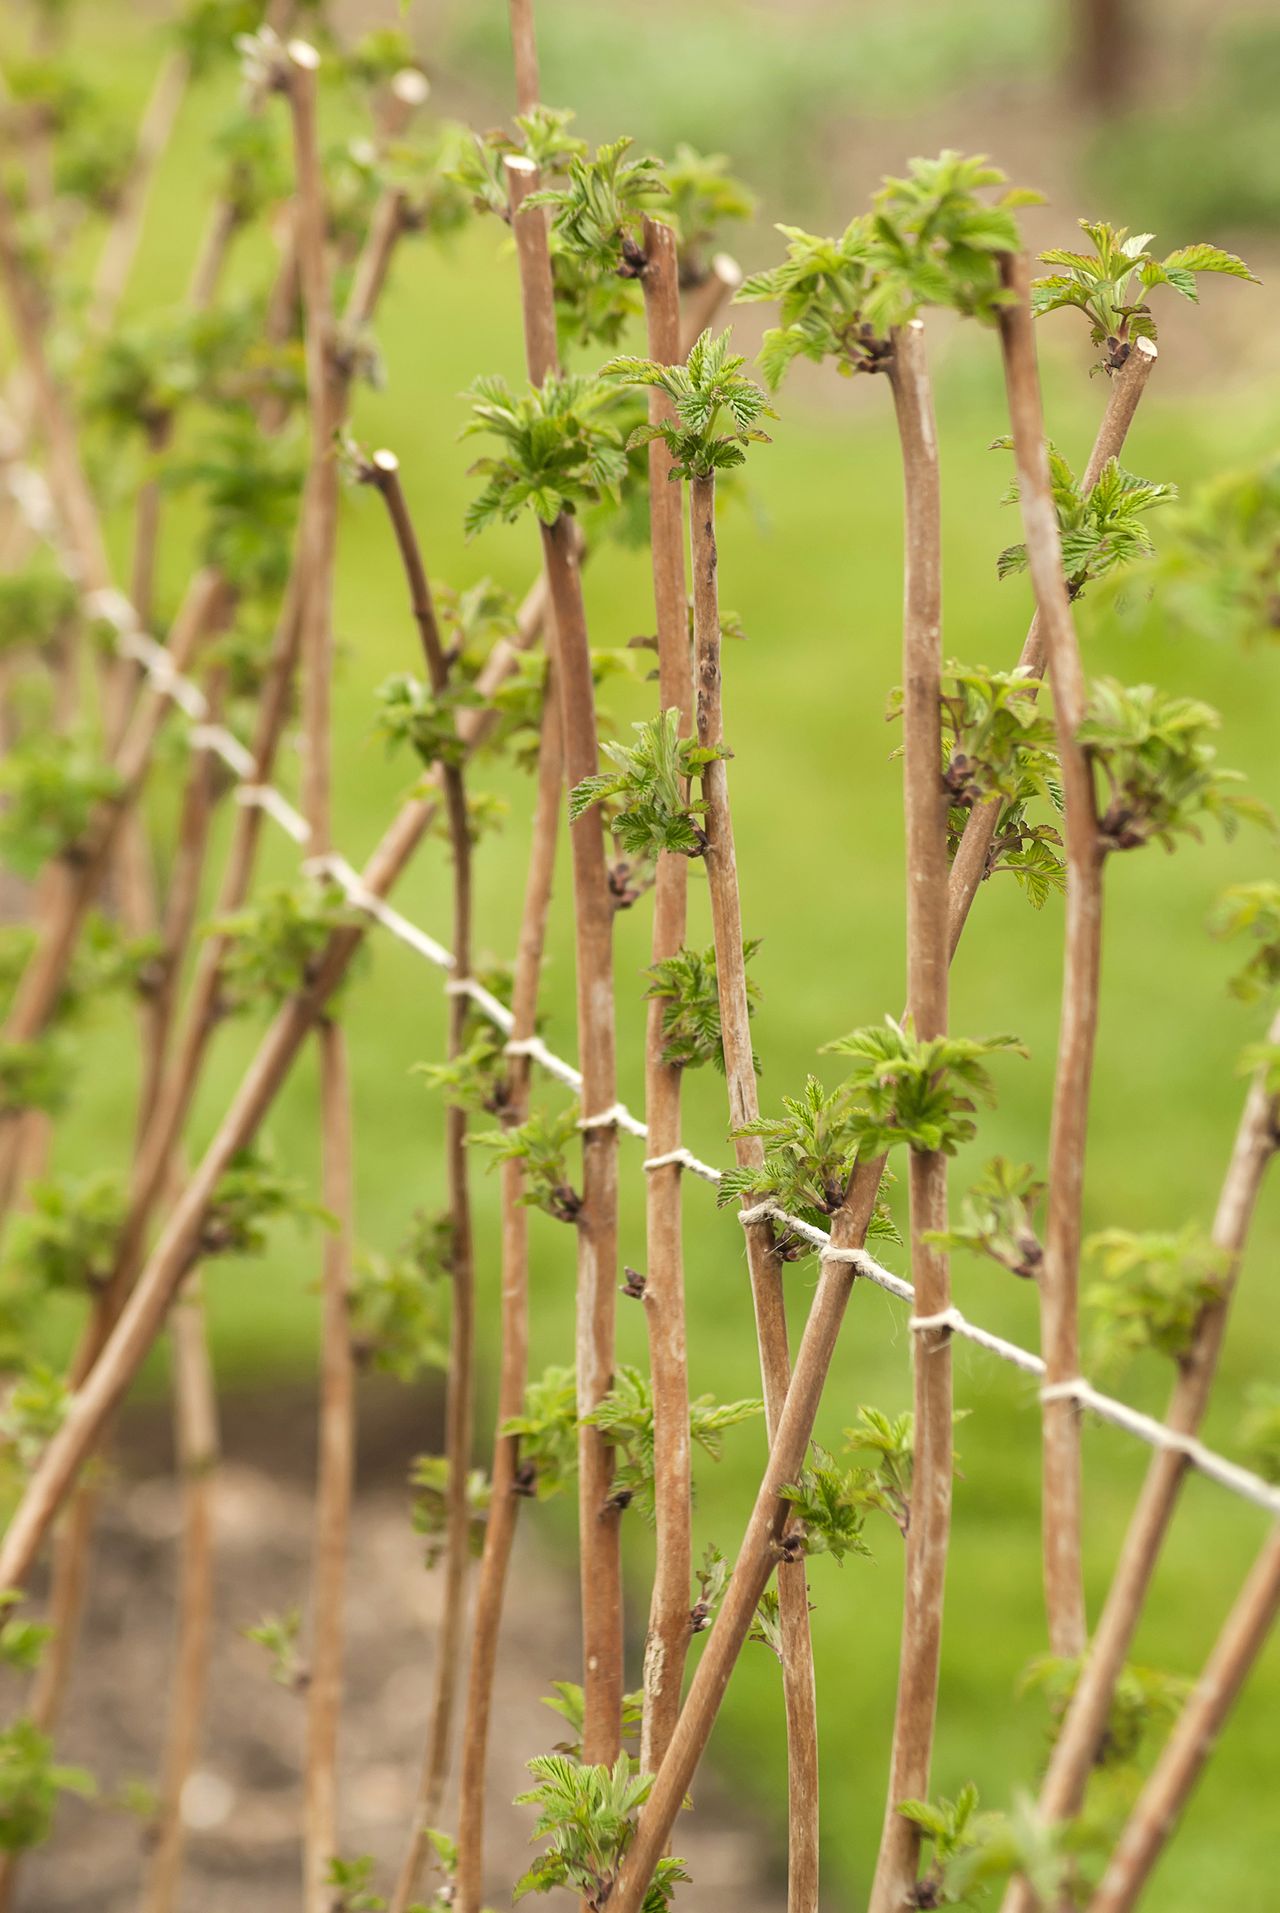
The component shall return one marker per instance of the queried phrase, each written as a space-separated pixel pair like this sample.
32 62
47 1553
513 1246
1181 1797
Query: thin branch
763 1261
1059 1281
1154 1818
197 1444
667 1642
757 1554
460 1383
537 303
324 402
146 527
335 1477
326 392
75 501
524 48
970 863
504 1505
124 235
927 959
1075 1749
599 1519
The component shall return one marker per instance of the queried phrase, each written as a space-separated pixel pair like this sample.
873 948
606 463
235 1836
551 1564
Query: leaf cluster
253 171
829 1506
718 409
595 234
37 603
30 1784
1252 910
650 783
411 714
398 1304
997 742
1157 765
275 943
932 239
377 56
558 453
687 986
712 1579
702 197
144 371
352 1883
206 30
547 1432
1145 1701
1110 284
540 1145
33 1412
1153 1290
972 1851
917 1092
476 1078
997 1218
1102 531
429 1479
625 1415
66 1237
250 1194
568 1701
810 1152
588 1814
280 1635
51 784
93 145
543 138
423 171
248 483
766 1627
22 1643
890 1441
1217 572
1260 1430
35 1075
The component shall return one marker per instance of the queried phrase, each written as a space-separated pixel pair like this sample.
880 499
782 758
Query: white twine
1068 1391
536 1050
853 1258
31 493
617 1116
266 797
224 744
948 1319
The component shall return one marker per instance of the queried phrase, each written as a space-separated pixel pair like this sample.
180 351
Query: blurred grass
811 562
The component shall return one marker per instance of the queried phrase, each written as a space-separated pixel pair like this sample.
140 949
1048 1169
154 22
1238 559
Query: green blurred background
813 102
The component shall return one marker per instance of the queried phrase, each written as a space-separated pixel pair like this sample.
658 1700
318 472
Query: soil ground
242 1805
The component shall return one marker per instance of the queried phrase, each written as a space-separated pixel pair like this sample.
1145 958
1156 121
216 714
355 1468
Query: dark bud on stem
634 1286
566 1203
633 259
